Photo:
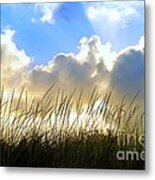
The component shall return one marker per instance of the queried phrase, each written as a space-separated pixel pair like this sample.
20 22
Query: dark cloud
127 75
84 70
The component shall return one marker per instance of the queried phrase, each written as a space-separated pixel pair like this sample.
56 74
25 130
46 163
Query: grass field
59 131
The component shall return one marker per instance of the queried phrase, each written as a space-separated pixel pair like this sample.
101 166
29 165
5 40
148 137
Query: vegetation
59 131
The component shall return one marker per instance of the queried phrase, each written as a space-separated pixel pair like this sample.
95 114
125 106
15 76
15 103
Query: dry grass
58 131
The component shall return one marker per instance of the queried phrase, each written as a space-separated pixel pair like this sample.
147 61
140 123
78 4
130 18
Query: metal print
72 85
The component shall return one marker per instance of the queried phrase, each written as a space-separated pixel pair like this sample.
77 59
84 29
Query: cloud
14 61
116 13
85 69
127 75
47 11
100 51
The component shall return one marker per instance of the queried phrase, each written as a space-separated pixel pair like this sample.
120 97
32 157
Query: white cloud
68 71
100 51
14 61
116 13
87 69
141 42
48 11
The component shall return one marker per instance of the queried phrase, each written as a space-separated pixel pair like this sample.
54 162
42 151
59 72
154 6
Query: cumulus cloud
119 13
14 61
95 65
127 75
85 69
47 11
101 52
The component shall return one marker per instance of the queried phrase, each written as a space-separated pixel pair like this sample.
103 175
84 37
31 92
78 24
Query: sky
69 22
74 45
62 35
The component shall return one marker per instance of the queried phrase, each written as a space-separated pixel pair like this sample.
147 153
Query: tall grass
59 131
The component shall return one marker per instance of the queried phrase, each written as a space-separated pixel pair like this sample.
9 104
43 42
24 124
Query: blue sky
120 23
